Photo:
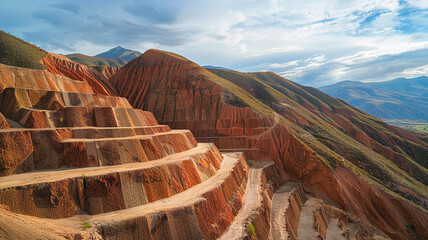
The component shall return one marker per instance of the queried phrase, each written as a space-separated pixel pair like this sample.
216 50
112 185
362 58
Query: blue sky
311 42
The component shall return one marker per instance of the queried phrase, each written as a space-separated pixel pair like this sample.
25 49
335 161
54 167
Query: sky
312 42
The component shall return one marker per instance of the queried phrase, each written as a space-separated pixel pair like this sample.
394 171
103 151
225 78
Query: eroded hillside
356 161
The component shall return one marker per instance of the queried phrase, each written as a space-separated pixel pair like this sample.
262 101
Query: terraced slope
351 159
71 159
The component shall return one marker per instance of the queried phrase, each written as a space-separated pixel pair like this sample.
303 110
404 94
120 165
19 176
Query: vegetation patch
417 127
251 229
86 225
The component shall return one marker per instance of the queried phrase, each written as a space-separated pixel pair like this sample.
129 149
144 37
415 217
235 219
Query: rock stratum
233 156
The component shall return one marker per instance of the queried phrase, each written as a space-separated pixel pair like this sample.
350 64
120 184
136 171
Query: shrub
252 229
86 225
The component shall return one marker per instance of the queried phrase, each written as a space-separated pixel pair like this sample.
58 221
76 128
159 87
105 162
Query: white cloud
422 4
307 64
380 46
316 59
284 65
418 71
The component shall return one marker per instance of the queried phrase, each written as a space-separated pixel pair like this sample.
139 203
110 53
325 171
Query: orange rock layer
61 65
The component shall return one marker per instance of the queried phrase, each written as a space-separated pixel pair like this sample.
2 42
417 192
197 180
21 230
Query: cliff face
313 138
98 81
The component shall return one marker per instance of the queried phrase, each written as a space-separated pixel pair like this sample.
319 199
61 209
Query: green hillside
96 61
17 52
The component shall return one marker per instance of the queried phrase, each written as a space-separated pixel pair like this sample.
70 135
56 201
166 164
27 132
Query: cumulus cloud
422 70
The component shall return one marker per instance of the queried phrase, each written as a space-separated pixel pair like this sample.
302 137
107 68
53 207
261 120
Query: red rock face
16 77
61 65
3 122
15 152
182 95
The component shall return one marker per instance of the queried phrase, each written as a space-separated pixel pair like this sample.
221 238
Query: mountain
119 52
215 67
95 61
17 52
343 156
418 85
396 99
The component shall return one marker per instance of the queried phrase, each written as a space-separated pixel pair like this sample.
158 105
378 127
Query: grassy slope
273 90
17 52
95 61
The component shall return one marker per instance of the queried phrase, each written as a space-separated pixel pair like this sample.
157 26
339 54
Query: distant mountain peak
119 52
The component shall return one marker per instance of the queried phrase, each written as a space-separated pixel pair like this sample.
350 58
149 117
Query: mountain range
402 99
162 148
115 57
119 52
